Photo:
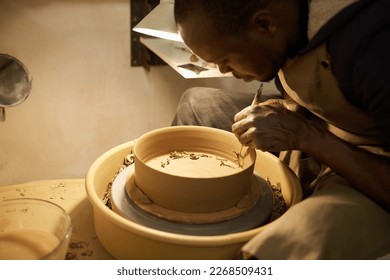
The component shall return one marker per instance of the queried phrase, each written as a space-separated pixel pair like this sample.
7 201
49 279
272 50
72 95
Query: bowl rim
147 135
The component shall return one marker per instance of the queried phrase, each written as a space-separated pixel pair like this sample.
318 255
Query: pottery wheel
143 202
258 215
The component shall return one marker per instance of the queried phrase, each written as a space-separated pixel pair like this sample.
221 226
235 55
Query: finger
288 104
246 138
242 114
240 127
239 116
272 101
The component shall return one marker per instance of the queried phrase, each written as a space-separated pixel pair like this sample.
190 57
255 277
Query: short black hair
228 16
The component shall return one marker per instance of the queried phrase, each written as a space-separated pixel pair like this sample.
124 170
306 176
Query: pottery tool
256 100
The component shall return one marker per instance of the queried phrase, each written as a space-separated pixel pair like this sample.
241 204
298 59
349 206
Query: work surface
69 194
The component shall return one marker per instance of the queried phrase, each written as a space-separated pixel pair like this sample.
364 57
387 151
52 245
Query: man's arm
369 173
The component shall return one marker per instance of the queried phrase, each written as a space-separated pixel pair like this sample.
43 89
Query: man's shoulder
358 44
358 21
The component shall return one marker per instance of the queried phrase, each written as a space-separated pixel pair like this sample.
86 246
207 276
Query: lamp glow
160 23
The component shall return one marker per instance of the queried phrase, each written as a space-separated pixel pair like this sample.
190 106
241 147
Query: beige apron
309 82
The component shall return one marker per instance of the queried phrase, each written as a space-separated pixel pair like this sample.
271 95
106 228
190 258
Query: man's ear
263 21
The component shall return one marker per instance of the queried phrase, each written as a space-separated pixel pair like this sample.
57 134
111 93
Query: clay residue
77 249
193 164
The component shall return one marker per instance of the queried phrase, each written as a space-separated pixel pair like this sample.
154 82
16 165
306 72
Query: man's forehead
197 26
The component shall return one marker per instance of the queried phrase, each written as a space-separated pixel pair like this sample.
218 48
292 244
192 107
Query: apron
308 80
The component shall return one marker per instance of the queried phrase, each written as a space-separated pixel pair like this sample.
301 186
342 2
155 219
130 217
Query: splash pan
145 236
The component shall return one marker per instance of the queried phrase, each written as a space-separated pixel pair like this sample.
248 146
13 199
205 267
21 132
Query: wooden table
69 194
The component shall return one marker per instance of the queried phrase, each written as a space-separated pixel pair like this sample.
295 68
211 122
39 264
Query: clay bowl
194 170
125 239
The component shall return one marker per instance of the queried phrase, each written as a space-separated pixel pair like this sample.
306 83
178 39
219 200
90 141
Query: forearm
367 172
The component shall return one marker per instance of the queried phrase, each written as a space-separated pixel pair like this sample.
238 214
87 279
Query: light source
160 22
169 46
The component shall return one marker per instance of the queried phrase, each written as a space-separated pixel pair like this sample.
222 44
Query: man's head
248 38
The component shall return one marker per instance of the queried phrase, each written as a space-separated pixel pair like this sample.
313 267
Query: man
330 60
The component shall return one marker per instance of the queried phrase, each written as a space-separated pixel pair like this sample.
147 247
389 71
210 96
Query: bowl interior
185 141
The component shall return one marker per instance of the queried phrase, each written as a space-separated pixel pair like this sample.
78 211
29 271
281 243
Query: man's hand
272 126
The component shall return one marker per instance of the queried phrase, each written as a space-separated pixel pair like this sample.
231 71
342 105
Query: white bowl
126 239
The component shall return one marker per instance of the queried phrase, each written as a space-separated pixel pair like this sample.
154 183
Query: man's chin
245 78
248 79
253 78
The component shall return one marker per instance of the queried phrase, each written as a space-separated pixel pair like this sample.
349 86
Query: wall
86 98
